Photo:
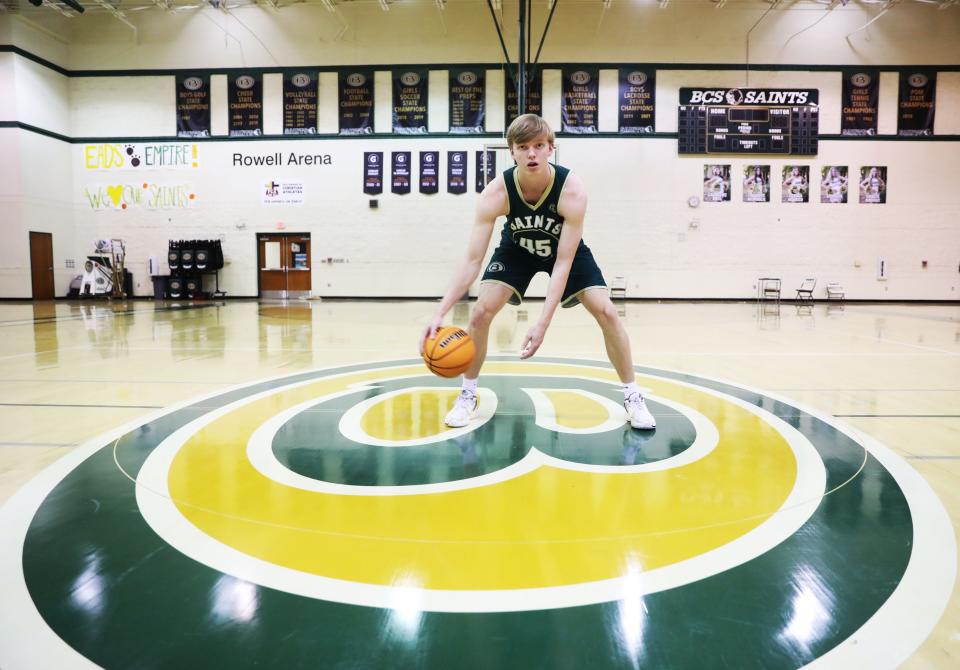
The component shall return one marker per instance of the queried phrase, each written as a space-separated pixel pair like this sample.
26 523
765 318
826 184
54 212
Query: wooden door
298 278
41 265
284 264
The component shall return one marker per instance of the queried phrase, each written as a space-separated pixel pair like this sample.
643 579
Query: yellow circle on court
548 527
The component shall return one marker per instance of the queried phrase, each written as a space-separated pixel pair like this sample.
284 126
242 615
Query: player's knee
481 316
606 315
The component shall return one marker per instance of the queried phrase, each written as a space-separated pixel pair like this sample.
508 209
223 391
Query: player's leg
598 303
586 285
493 296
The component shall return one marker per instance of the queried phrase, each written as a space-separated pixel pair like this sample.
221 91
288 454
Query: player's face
795 172
532 156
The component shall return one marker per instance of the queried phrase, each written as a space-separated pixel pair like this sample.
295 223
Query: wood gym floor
269 484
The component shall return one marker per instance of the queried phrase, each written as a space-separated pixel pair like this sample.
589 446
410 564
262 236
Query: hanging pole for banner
522 62
496 24
543 37
529 28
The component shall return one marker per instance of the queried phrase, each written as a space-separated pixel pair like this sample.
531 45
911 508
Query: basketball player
544 205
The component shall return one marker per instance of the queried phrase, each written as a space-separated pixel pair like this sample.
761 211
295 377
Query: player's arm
572 207
491 204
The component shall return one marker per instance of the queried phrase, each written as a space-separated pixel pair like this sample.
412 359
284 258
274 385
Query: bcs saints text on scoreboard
748 121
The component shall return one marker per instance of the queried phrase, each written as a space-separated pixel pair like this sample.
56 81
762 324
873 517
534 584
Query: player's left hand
533 340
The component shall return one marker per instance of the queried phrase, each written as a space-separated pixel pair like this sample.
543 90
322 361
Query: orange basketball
450 352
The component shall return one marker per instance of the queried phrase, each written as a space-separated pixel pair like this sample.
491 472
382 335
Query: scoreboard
748 121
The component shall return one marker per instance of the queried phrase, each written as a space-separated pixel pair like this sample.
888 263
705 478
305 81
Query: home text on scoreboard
748 121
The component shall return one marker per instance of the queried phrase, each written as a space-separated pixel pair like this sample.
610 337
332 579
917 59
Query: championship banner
637 87
429 166
716 183
245 105
193 106
356 102
372 172
918 91
796 183
756 183
534 95
410 101
486 168
467 102
579 110
833 184
456 172
873 184
861 95
400 172
300 103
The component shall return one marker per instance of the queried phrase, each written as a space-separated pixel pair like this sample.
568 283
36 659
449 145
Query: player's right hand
430 330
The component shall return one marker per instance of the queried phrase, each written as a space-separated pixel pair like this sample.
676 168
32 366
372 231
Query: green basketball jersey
534 227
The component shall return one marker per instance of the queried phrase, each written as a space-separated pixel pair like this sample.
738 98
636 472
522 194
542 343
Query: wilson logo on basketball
449 353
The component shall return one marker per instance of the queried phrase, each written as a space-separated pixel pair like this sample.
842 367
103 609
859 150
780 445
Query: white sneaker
637 413
464 409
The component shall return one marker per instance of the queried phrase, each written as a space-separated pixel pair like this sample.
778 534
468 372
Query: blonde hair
527 127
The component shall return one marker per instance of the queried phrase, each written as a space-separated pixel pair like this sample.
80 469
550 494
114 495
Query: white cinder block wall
638 222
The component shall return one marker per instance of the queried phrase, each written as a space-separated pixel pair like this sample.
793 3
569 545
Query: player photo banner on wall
716 183
756 183
429 166
861 95
796 183
534 94
456 172
372 172
918 92
637 86
873 184
486 168
300 103
579 106
193 105
467 103
356 102
833 184
410 101
400 172
245 105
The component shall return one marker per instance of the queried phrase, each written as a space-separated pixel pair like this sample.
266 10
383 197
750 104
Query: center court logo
341 488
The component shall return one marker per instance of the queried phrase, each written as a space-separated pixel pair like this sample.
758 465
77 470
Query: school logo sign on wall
333 510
